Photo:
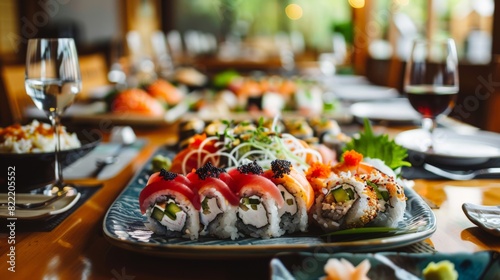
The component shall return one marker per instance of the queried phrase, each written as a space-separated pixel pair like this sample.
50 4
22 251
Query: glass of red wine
431 81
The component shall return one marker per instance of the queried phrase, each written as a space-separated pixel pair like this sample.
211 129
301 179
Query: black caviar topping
209 170
251 168
167 175
280 167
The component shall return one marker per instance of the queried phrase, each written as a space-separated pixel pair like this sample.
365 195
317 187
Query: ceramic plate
392 110
485 217
124 227
451 147
363 92
60 206
305 266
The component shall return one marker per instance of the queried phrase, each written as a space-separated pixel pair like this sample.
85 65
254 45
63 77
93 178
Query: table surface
77 247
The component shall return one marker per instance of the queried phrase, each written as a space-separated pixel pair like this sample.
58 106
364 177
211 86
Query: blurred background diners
132 43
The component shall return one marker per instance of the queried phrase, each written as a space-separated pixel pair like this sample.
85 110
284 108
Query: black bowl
25 172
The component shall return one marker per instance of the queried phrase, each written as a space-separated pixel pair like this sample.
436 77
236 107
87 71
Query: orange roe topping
197 140
318 170
352 158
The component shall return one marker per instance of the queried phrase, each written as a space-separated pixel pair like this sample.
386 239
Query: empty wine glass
52 80
431 81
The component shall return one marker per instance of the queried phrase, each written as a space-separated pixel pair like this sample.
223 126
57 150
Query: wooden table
77 249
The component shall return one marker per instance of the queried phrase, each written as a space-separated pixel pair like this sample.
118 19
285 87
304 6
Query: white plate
394 110
362 92
60 206
451 147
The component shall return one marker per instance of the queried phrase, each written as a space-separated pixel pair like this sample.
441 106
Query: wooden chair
93 69
15 92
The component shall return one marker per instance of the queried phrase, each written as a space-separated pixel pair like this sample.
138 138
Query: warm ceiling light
356 4
293 11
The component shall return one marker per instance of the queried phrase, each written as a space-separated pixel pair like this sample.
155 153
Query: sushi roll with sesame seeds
390 194
346 202
297 193
170 205
259 201
391 198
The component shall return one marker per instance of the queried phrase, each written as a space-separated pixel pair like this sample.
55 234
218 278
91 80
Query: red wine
431 101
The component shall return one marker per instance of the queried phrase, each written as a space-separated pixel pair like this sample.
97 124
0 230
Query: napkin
84 167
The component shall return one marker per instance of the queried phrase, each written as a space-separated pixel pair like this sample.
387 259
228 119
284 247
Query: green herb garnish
379 146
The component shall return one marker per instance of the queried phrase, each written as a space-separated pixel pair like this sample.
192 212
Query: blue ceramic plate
305 266
124 227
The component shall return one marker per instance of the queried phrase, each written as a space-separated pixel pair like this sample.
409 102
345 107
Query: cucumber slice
254 201
157 214
205 207
385 195
380 194
350 193
171 210
244 207
340 195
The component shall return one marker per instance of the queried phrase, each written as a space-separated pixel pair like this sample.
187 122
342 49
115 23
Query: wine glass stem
429 125
56 123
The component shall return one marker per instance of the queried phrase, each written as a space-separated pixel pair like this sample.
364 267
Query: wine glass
52 81
431 81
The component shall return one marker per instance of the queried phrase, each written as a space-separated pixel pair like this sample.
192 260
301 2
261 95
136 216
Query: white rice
192 226
35 137
224 225
298 221
272 229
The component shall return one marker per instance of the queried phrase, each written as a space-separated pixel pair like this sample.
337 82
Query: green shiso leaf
379 146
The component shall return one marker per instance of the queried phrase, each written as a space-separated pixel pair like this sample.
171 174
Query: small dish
30 171
451 147
305 266
395 110
485 217
60 206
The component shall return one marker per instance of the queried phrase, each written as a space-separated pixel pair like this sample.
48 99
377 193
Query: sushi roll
324 127
188 129
299 128
259 201
390 195
346 202
218 203
297 193
391 198
170 205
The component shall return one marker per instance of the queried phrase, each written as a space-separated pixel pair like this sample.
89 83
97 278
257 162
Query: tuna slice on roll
170 205
259 202
218 203
296 192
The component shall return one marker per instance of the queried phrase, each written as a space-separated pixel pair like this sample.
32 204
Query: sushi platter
124 226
